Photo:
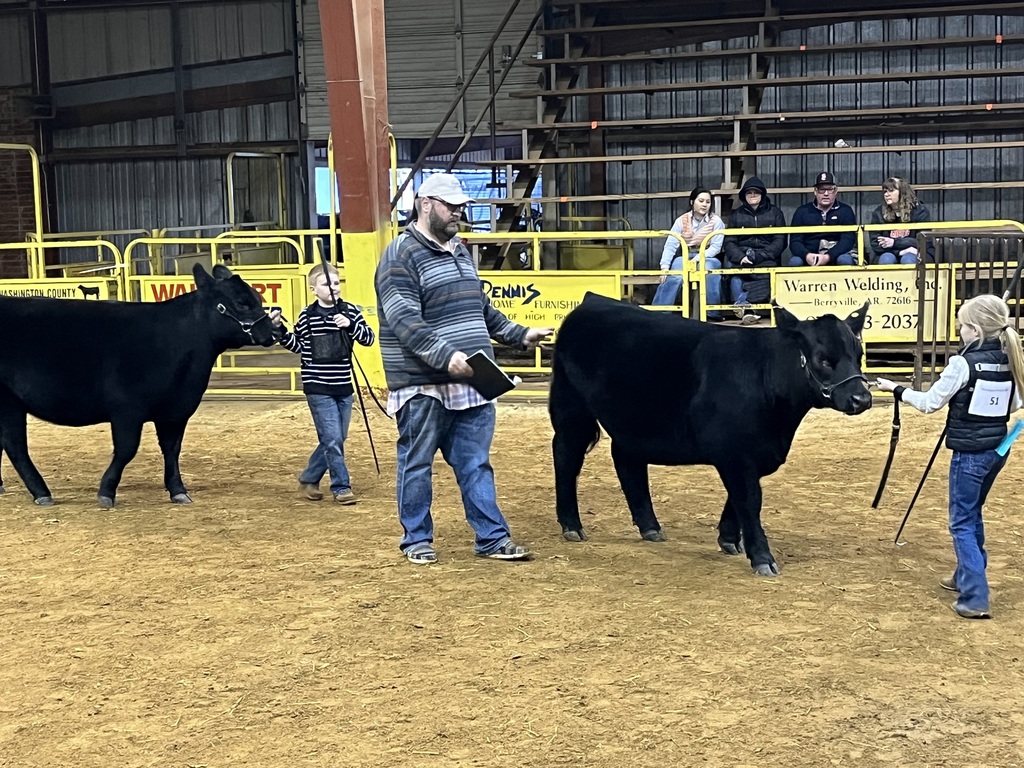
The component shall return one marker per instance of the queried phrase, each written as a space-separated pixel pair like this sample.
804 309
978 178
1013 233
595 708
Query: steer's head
830 355
237 309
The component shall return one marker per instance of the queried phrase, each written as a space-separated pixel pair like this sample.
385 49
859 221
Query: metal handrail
421 160
212 243
37 267
494 91
37 201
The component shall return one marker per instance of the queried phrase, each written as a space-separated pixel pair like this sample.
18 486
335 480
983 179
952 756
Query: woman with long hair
693 226
899 206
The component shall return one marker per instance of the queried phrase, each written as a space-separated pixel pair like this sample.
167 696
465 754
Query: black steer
673 391
76 362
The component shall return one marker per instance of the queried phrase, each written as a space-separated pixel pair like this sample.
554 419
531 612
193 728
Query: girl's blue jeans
970 479
668 292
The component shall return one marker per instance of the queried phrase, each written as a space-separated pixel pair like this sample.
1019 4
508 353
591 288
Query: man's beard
439 228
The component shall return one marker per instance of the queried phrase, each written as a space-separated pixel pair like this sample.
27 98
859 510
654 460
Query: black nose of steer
860 402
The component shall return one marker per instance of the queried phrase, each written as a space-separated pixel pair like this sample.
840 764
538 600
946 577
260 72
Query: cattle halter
247 325
826 391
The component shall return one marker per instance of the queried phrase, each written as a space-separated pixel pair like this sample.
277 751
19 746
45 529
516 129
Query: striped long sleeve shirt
431 306
320 378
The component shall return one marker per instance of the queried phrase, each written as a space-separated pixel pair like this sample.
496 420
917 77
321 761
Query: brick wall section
17 216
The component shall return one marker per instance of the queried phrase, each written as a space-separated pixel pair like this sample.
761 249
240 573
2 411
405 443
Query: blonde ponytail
1011 345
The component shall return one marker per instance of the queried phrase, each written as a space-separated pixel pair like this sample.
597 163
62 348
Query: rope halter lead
247 325
826 391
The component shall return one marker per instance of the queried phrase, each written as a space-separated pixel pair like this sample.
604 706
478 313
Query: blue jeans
669 290
464 438
890 258
739 296
331 416
842 260
970 479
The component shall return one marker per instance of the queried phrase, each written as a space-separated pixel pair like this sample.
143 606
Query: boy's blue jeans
331 416
970 479
464 438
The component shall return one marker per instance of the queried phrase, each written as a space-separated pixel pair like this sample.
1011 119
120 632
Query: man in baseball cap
441 202
819 249
433 316
445 187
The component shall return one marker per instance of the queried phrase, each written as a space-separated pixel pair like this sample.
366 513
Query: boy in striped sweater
323 336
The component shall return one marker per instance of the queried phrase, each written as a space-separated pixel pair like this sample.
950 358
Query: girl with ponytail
983 385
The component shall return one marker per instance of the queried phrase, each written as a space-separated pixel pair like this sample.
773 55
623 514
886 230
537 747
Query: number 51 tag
991 398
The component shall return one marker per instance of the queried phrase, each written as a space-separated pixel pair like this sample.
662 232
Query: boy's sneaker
751 319
310 491
345 497
741 309
949 583
508 551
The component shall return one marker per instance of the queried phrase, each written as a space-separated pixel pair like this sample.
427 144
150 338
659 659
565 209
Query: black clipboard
488 379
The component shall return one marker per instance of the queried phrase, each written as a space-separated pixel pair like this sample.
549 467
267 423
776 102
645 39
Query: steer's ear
201 276
857 319
221 272
784 318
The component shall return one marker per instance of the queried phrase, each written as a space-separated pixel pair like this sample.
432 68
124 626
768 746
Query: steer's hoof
44 501
731 548
570 535
181 498
656 535
106 502
767 569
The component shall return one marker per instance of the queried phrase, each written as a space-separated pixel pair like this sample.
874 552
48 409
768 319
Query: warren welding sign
893 292
60 288
533 299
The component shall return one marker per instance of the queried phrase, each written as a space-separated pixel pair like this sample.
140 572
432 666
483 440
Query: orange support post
356 70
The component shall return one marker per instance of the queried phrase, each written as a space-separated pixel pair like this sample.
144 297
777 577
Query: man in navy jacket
819 249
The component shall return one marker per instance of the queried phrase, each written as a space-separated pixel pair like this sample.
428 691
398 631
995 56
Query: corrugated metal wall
480 21
316 116
234 126
979 167
86 45
15 51
428 57
138 193
151 194
157 193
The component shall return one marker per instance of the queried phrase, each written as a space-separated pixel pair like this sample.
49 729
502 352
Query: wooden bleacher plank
794 20
769 82
827 150
779 50
772 117
682 193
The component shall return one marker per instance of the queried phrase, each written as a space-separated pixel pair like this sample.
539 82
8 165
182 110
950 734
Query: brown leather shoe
346 497
949 583
310 491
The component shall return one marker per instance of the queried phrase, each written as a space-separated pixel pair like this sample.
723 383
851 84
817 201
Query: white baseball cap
445 187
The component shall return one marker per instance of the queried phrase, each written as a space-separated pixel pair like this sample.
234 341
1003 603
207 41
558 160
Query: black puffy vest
991 388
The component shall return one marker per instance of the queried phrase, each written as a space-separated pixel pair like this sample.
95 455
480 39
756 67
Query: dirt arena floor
257 629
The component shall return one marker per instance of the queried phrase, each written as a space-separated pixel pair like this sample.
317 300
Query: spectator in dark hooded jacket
753 251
